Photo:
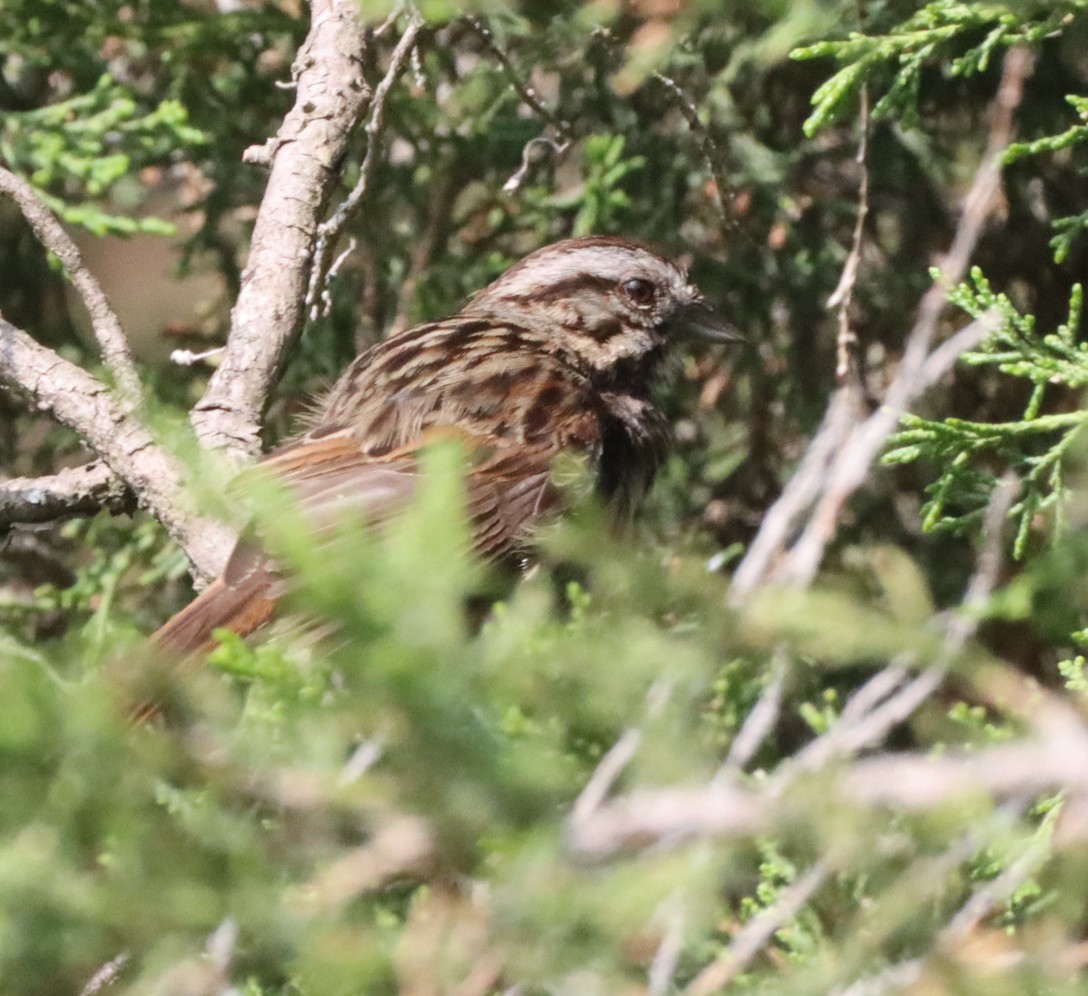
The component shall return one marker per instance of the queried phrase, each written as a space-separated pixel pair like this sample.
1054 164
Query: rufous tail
241 608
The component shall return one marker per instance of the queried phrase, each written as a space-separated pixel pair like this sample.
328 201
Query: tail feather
241 608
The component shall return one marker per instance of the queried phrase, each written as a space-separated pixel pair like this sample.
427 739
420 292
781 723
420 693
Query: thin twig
759 723
843 295
617 758
329 231
107 328
525 89
560 143
725 190
608 770
74 491
186 357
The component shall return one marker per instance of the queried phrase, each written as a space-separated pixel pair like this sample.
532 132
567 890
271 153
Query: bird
564 353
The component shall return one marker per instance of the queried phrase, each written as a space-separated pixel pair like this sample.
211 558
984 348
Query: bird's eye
639 291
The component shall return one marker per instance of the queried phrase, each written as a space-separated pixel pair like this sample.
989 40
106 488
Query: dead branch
112 429
558 145
888 699
331 98
70 492
904 782
725 190
843 295
328 232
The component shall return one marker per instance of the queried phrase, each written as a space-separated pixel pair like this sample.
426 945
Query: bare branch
884 702
106 976
618 757
761 720
110 428
331 97
560 143
667 957
797 497
525 90
107 329
725 190
75 491
906 782
328 232
403 847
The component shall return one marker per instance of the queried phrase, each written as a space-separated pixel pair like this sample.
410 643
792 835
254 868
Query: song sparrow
560 353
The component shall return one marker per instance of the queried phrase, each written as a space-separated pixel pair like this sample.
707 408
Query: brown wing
514 407
508 489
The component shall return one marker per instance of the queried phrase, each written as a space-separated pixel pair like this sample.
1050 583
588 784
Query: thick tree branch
331 98
70 492
115 433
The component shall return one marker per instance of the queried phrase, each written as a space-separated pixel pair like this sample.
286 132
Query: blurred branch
74 491
839 457
887 699
761 719
617 758
404 847
106 976
107 329
329 231
331 97
1054 760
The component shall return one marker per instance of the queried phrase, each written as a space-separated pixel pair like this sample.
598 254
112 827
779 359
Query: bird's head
605 301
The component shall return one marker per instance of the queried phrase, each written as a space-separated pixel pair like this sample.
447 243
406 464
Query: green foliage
1068 228
601 203
973 455
85 145
965 35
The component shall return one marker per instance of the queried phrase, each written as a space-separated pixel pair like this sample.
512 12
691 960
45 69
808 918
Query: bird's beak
699 321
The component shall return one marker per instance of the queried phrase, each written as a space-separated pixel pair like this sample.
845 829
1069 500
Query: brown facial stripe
566 288
604 329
